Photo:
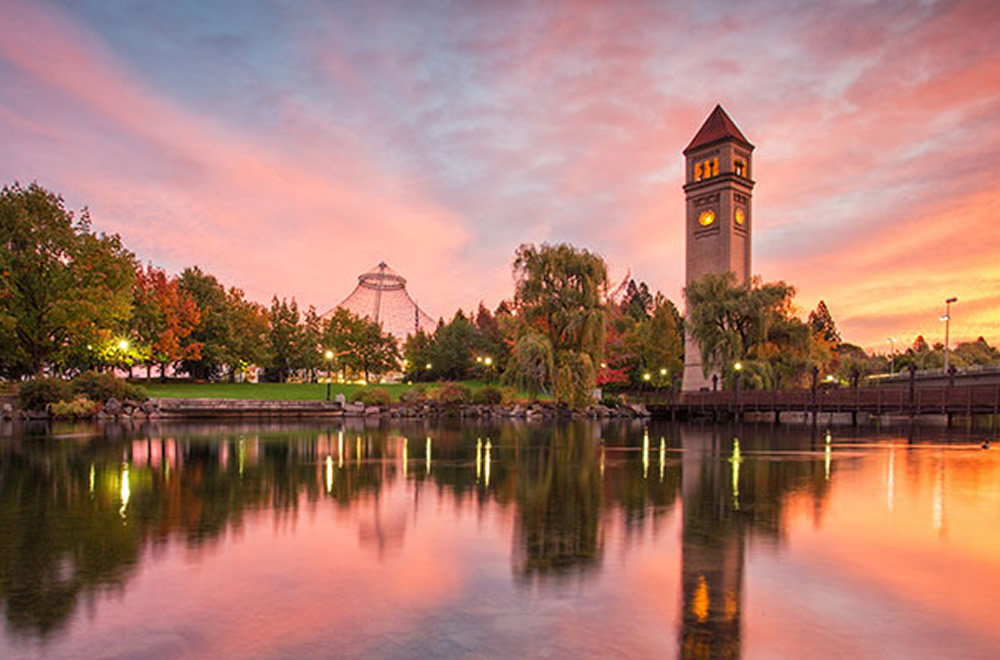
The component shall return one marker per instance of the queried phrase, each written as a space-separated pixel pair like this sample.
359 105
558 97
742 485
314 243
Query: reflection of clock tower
718 189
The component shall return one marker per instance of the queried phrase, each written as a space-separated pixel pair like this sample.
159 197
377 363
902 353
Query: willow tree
734 323
558 294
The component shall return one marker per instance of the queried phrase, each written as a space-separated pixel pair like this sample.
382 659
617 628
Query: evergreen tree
822 324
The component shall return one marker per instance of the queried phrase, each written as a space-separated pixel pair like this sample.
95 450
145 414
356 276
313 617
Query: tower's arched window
741 168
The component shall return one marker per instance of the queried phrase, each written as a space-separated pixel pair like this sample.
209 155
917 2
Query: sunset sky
287 147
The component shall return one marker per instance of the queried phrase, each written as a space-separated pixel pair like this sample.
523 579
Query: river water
578 540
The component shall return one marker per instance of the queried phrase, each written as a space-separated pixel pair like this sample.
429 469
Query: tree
454 344
284 338
558 293
165 316
733 323
531 363
61 286
418 356
638 301
359 344
214 331
822 324
247 330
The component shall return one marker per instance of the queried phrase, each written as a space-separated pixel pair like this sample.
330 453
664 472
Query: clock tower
717 189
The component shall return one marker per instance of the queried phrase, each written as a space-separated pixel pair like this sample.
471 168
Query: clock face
741 217
706 218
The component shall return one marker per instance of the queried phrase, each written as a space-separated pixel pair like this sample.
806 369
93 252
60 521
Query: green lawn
271 391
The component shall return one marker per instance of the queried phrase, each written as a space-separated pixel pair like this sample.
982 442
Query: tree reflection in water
79 509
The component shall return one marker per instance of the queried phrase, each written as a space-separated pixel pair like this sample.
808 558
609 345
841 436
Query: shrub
101 387
373 396
81 406
453 394
37 394
488 395
417 394
612 400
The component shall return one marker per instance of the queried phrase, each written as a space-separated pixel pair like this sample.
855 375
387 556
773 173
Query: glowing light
429 366
328 355
91 480
826 457
830 378
646 376
663 456
645 454
242 453
406 455
738 366
357 450
602 462
699 600
427 453
329 473
735 459
479 458
663 371
740 216
123 344
126 491
706 218
486 460
488 360
340 448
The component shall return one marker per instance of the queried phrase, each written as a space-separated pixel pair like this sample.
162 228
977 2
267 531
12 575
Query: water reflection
81 512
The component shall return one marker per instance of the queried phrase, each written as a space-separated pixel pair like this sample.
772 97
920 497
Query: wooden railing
949 400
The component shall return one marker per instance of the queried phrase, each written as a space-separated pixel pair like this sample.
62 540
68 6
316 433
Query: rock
341 399
113 406
371 410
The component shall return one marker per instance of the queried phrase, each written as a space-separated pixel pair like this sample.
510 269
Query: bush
39 393
81 406
373 396
489 395
101 387
417 394
453 394
612 400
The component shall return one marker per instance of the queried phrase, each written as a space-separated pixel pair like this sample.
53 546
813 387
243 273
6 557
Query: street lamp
488 361
947 321
329 361
892 354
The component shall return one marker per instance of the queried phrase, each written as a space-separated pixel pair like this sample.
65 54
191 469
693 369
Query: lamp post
488 361
892 354
947 321
329 361
738 370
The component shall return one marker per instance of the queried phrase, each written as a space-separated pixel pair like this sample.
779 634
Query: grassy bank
273 391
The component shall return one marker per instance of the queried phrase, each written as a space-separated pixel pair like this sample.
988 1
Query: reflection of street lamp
329 361
892 354
947 321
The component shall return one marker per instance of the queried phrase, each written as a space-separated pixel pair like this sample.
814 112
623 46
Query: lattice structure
381 296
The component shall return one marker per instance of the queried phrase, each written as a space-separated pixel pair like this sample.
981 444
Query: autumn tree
165 316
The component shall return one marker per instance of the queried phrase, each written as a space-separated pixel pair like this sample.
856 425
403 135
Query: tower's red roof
717 127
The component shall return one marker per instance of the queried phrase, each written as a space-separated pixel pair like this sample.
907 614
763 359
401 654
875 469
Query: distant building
382 297
718 189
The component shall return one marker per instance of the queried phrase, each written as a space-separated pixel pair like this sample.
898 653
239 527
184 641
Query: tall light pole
892 354
947 321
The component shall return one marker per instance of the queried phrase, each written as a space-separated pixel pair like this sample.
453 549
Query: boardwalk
982 399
